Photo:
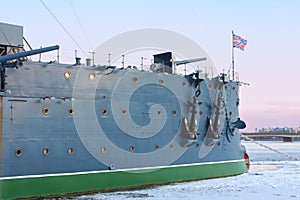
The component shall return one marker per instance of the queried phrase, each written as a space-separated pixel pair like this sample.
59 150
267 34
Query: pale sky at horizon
270 62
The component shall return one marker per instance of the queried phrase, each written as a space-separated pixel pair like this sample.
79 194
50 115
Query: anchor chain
222 104
228 127
270 148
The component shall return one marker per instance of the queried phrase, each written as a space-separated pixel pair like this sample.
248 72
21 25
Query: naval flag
238 42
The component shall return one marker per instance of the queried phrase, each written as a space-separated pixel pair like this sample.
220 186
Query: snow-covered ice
271 176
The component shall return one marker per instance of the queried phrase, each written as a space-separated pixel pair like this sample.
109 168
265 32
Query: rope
82 29
67 32
270 148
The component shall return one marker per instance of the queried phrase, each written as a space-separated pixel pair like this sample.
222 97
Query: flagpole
232 57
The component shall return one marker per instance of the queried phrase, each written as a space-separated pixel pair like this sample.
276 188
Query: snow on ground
271 176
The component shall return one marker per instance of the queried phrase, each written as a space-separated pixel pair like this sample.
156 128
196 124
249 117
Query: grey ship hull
75 129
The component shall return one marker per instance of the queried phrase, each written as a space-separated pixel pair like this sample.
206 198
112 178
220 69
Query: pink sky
270 62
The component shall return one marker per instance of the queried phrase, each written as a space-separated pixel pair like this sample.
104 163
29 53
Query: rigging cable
270 148
27 43
63 28
80 24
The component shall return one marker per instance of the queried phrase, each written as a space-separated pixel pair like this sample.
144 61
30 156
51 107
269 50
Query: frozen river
271 176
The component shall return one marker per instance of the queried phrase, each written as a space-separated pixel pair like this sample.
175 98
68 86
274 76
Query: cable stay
270 148
81 26
67 32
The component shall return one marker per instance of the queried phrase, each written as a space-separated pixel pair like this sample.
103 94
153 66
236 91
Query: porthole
230 113
131 148
45 151
174 112
92 76
183 84
156 147
112 167
71 111
161 81
134 79
233 88
46 110
124 111
159 113
200 112
70 150
103 149
67 75
225 87
171 147
197 145
18 152
104 111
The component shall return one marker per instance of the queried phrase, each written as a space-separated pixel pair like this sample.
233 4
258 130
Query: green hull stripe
81 183
123 170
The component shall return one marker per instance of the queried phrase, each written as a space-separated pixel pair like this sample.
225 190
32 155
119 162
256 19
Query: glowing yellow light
68 75
92 76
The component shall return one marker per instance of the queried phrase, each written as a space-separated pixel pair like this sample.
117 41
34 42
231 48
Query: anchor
190 125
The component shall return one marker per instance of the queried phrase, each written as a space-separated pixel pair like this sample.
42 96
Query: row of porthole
174 112
104 111
222 113
233 88
46 111
132 149
70 150
68 75
156 147
103 149
92 76
135 80
124 111
45 151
